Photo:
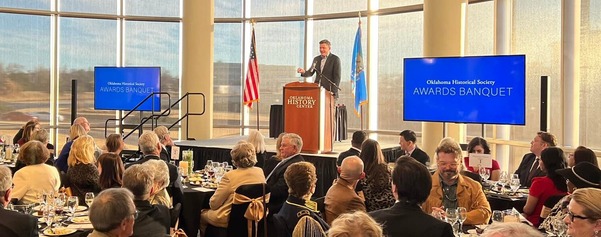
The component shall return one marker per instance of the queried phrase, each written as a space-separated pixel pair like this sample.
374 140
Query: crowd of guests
369 197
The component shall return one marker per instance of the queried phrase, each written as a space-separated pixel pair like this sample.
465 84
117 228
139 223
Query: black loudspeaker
544 102
73 100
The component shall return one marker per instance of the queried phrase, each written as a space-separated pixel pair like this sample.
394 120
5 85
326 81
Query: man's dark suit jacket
165 154
350 152
153 220
409 220
331 70
277 184
14 224
174 188
420 156
523 170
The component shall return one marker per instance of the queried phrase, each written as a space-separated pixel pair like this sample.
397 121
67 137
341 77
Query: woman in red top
479 146
551 160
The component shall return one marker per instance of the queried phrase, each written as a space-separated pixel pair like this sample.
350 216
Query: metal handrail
154 117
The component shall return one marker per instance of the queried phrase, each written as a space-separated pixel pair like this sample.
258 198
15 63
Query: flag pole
360 106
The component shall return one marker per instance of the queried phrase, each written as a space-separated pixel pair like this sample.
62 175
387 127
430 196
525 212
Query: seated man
530 167
358 139
452 190
407 141
290 149
341 197
411 183
113 213
13 223
153 220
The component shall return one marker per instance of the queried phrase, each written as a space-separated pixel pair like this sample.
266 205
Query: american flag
251 84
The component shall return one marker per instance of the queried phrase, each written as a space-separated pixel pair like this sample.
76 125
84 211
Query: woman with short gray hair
160 182
244 158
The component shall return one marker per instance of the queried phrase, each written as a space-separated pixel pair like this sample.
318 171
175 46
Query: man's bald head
83 122
351 168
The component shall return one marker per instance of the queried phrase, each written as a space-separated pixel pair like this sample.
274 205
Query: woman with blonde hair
83 174
258 140
584 213
75 132
376 184
355 224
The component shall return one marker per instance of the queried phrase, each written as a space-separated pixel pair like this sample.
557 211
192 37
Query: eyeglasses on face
572 216
135 214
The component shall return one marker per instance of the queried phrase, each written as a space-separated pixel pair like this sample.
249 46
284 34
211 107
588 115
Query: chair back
247 216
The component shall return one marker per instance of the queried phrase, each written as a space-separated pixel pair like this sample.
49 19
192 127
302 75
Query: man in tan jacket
341 197
452 190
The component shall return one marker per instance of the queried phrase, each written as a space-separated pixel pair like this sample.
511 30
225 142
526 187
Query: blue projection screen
122 88
475 89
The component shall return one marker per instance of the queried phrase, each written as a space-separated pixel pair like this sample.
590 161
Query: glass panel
156 44
480 41
590 72
227 77
277 8
85 43
336 6
393 46
278 59
24 71
89 6
341 33
228 8
398 3
39 5
167 8
537 34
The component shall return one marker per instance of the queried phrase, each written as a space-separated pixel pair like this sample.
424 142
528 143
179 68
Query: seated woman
61 162
114 144
582 154
551 160
159 194
41 136
258 140
582 175
584 213
376 184
244 159
110 170
356 223
300 178
83 174
28 130
479 146
19 134
36 177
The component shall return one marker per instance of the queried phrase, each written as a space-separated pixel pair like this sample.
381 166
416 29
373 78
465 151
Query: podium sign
308 113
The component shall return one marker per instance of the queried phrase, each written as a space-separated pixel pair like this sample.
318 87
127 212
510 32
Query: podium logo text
302 102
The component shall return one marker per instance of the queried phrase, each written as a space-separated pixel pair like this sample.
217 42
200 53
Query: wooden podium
308 113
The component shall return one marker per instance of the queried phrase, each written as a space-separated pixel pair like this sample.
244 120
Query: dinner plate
81 220
59 231
80 208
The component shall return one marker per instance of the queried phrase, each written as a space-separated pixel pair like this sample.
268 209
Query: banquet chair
249 211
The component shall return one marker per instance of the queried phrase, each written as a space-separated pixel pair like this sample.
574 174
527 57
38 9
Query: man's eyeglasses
572 216
135 214
453 165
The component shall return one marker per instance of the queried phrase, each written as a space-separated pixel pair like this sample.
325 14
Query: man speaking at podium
327 67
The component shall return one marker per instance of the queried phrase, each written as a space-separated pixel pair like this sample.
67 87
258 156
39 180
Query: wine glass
503 180
89 198
229 168
484 173
72 203
452 217
209 163
183 171
49 215
462 212
515 185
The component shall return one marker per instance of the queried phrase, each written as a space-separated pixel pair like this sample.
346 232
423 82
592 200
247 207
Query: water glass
229 168
452 217
72 203
462 211
515 185
89 198
498 216
484 173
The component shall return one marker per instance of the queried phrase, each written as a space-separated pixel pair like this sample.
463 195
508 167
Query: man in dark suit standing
408 146
327 67
290 149
411 184
530 166
13 223
358 139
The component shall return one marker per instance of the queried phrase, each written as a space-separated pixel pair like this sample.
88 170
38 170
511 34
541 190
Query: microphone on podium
313 67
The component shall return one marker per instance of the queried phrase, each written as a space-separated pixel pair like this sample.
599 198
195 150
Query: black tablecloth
499 202
194 201
325 166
